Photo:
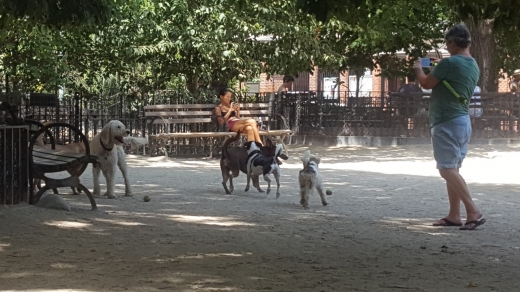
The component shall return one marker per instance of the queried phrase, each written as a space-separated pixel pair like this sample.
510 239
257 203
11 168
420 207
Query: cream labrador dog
108 147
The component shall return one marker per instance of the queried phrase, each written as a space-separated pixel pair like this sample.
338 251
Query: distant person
288 81
514 85
407 92
410 87
476 112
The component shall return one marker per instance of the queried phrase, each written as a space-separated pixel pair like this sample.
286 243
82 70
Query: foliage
56 13
415 26
145 46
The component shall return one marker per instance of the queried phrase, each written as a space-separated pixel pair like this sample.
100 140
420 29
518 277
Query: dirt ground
375 235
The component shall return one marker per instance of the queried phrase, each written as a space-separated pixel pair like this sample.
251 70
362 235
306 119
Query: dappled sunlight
4 246
208 220
63 266
211 255
337 183
200 288
178 203
15 275
119 222
50 290
68 224
191 237
423 225
167 162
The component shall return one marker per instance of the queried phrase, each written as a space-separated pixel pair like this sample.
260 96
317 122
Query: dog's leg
231 186
111 182
319 187
256 183
277 178
225 178
121 163
268 180
95 176
248 180
304 193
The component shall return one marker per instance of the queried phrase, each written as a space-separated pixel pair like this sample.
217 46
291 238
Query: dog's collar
103 145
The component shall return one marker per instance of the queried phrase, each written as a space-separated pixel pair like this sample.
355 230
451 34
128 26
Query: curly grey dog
310 178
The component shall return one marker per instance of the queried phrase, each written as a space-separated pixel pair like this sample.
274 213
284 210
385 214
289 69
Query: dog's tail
135 142
306 157
226 145
39 140
278 153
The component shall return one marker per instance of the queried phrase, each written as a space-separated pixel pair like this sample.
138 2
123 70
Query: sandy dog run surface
375 235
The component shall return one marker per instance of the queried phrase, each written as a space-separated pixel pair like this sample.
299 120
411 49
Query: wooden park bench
170 122
45 160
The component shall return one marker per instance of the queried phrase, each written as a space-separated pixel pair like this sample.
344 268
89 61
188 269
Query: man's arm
426 81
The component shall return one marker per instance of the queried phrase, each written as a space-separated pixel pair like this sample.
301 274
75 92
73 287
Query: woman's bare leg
254 125
249 128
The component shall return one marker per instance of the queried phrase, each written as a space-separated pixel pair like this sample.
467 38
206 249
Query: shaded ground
374 235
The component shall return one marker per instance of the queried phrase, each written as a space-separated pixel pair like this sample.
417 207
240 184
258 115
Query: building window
365 84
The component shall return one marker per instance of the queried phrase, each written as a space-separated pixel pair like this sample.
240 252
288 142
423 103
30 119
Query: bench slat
201 106
183 121
192 121
274 132
215 134
200 113
178 113
179 106
47 160
45 151
193 135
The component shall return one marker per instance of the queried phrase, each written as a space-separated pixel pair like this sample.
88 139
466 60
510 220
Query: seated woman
228 112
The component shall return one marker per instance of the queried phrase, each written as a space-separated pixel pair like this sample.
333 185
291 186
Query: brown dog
234 160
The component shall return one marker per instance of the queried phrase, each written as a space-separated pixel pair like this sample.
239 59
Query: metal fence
339 113
14 164
493 115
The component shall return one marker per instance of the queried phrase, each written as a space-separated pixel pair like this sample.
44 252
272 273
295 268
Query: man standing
453 82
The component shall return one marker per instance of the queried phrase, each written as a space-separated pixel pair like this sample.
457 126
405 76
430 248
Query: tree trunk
359 75
192 84
483 49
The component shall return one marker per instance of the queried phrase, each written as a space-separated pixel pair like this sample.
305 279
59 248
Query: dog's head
114 133
315 159
308 157
271 149
251 146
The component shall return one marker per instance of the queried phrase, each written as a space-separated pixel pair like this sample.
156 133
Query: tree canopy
145 45
57 13
494 25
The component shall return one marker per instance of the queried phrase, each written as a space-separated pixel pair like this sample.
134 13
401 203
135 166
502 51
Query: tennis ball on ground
328 192
146 199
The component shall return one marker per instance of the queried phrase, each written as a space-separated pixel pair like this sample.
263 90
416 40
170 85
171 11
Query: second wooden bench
173 122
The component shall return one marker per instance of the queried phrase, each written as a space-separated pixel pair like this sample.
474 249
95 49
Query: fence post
296 127
87 120
57 106
77 117
271 110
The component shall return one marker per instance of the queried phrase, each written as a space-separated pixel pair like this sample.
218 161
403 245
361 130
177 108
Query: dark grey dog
234 160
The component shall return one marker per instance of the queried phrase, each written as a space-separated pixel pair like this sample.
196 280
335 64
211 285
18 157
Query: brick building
370 84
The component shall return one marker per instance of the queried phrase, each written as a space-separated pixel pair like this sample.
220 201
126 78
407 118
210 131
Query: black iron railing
14 164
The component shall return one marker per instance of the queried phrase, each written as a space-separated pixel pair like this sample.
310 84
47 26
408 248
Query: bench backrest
201 113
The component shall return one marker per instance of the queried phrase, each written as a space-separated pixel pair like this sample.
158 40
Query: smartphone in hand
426 62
